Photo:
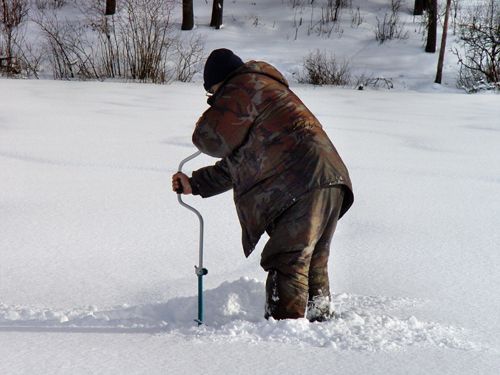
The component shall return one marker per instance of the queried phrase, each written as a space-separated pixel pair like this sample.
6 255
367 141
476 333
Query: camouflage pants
296 256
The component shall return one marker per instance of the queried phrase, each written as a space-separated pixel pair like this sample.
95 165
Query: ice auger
199 269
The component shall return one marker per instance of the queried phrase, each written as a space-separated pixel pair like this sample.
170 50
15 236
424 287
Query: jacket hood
251 67
259 67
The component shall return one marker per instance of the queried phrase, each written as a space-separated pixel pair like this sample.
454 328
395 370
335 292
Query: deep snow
96 270
97 255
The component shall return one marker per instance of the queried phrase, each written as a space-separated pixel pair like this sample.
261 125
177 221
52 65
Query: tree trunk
439 73
187 15
8 26
110 7
338 5
418 9
8 49
217 11
432 28
5 12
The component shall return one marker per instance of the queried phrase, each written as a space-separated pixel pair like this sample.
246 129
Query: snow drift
234 312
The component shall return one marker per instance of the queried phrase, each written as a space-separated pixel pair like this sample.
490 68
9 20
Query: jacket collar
251 67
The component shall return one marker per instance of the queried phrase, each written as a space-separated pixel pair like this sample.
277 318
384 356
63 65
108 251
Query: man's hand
180 183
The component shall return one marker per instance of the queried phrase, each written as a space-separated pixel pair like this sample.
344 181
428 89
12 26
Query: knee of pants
286 296
293 264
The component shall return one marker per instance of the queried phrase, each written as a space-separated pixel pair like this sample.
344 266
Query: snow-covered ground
272 31
97 256
282 34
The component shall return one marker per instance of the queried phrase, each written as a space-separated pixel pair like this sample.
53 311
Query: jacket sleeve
225 125
212 180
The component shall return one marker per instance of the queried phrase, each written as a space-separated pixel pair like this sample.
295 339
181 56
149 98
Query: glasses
212 89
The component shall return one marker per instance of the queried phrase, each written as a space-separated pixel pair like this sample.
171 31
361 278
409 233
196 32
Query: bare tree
12 14
71 53
333 9
187 15
110 7
107 41
30 56
479 35
442 50
145 33
456 7
432 28
217 12
418 9
189 58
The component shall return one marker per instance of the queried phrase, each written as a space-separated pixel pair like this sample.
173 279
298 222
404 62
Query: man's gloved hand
180 184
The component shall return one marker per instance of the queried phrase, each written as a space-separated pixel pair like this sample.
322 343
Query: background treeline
138 40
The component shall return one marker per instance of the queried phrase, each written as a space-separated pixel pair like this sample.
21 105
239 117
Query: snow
95 246
97 256
234 311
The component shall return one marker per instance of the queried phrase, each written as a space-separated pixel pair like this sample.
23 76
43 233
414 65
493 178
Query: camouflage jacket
272 149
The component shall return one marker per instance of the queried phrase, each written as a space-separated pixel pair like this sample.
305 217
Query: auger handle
199 270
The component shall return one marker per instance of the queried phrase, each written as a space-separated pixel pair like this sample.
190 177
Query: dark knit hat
219 65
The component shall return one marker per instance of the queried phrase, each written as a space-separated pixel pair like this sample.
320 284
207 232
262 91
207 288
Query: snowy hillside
97 256
271 31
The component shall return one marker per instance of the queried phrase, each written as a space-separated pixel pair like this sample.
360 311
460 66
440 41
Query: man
288 179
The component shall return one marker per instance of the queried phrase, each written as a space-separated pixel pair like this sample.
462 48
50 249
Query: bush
321 69
391 27
68 50
54 4
139 42
374 82
12 15
189 58
479 36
